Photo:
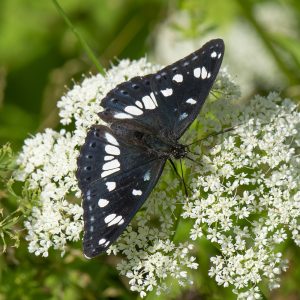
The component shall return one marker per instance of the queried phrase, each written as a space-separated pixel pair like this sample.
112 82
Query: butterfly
120 164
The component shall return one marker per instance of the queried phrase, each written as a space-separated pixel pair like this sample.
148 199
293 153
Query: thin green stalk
84 44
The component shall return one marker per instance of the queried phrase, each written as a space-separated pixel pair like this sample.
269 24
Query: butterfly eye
124 92
114 100
89 156
88 168
135 86
93 145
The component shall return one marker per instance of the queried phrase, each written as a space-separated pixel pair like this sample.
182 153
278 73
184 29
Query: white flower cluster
246 196
245 189
150 254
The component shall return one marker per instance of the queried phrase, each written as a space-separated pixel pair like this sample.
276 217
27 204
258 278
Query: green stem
84 44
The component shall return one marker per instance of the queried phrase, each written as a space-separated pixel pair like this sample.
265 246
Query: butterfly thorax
161 144
164 147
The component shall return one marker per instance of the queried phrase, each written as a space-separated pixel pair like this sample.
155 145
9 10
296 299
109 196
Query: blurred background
40 58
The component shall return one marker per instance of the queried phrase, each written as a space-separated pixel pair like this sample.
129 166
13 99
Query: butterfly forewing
115 179
183 86
170 99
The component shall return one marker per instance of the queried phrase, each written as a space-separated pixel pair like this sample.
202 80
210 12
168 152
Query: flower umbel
245 195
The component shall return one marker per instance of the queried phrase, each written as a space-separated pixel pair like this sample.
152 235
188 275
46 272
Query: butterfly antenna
214 134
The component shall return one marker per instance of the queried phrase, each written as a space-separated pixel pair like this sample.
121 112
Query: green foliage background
39 56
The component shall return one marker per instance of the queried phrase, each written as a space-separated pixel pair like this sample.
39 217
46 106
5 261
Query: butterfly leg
181 178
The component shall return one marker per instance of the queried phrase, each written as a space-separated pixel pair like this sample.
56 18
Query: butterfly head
179 151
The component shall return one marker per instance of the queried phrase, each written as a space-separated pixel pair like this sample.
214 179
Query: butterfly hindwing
115 180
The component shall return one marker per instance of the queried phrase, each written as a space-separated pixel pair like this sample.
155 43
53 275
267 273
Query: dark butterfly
119 165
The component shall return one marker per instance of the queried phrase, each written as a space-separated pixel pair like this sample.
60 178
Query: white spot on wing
111 185
147 176
167 92
219 55
107 243
122 116
139 104
153 98
191 101
121 222
111 165
183 116
115 221
113 150
148 103
203 73
109 218
131 109
136 192
208 75
111 139
106 173
197 72
102 202
178 78
88 195
102 241
213 54
108 157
